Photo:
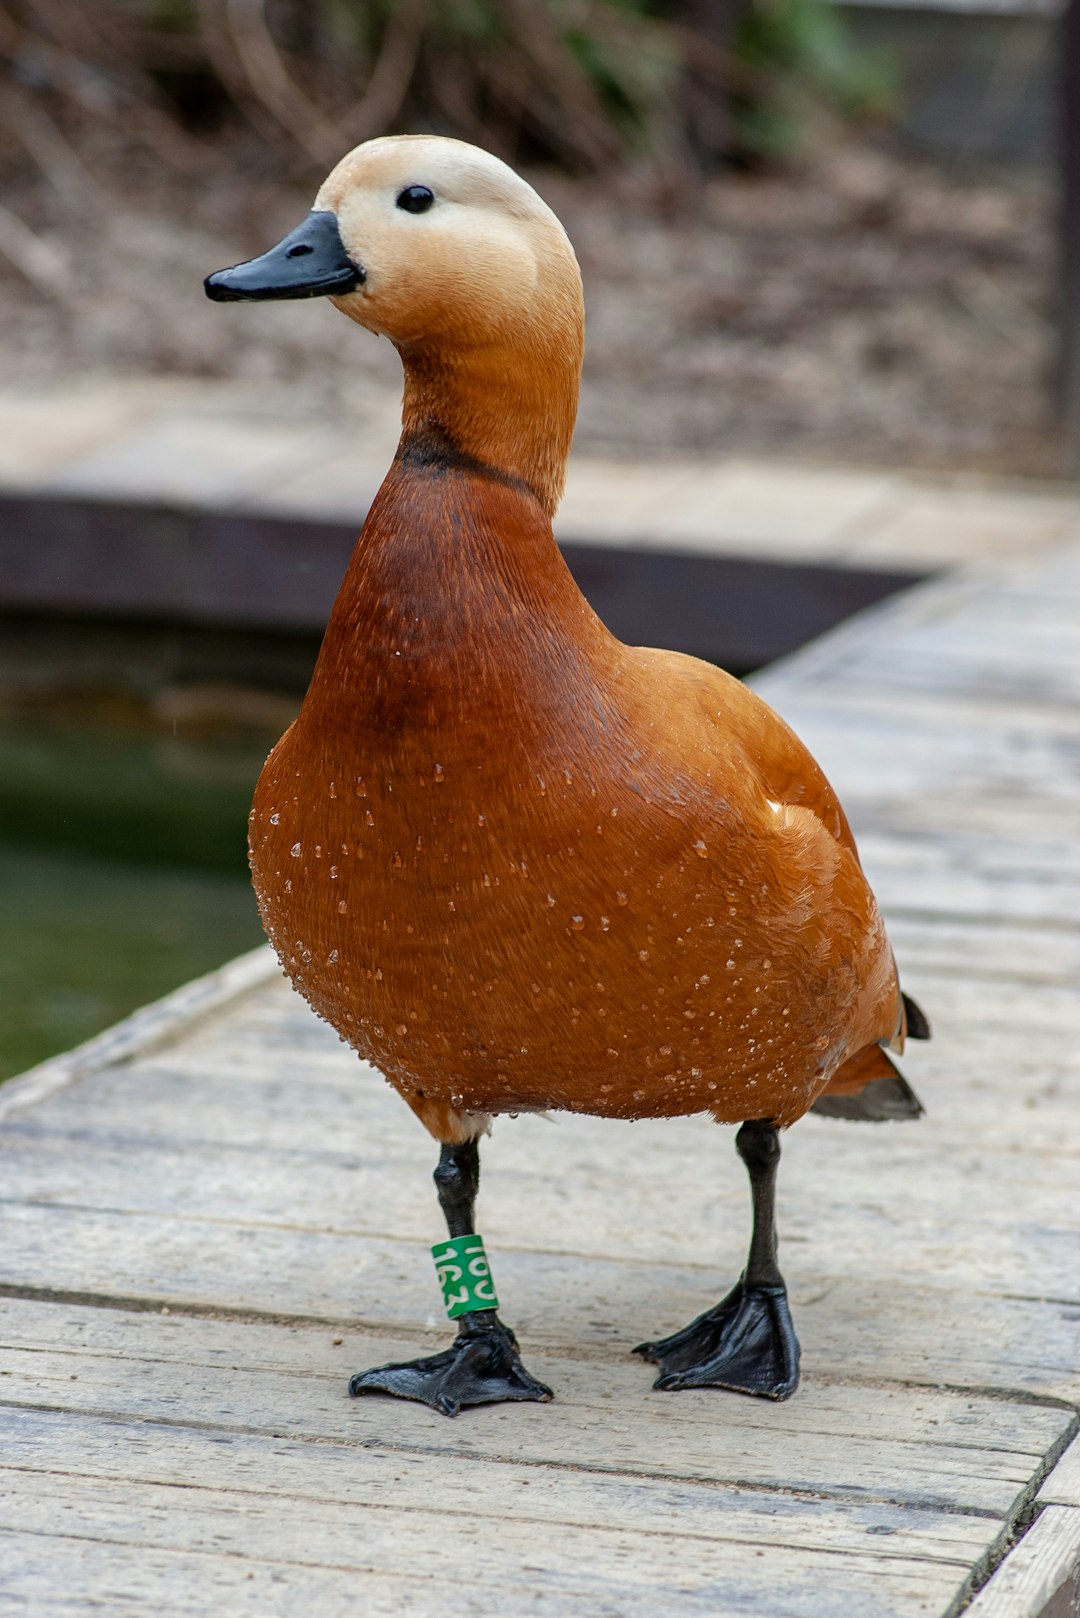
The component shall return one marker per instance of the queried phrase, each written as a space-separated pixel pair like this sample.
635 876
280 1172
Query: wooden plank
1062 1487
134 1573
938 1451
966 1201
39 1443
652 1561
1041 1576
929 1333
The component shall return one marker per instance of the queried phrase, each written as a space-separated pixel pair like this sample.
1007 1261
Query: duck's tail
916 1022
869 1088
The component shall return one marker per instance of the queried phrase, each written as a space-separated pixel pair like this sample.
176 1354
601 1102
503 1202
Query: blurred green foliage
802 53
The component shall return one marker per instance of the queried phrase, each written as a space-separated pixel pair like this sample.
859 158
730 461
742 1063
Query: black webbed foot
746 1343
482 1367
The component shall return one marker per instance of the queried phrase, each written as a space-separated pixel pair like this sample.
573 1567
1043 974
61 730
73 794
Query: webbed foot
746 1343
482 1367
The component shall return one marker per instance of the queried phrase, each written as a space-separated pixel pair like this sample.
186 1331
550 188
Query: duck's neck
511 409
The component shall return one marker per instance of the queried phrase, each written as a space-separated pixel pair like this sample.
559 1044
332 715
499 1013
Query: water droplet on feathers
275 818
295 851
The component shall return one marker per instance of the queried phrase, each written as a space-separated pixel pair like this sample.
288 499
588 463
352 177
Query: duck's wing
740 725
735 721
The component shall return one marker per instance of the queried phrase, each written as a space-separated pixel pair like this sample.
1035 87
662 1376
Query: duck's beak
309 262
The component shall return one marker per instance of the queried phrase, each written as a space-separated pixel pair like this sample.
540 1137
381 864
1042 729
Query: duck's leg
747 1342
483 1365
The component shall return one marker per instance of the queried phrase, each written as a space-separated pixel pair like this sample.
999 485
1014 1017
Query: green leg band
462 1267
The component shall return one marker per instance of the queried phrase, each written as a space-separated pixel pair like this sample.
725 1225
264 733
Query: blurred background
813 234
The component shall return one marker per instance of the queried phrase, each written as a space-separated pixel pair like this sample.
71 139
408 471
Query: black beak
310 262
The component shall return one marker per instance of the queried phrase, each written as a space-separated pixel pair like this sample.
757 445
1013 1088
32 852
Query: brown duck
515 863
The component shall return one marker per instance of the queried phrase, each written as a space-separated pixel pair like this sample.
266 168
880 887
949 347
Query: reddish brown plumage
519 865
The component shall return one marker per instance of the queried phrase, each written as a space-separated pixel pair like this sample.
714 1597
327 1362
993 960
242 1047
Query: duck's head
446 251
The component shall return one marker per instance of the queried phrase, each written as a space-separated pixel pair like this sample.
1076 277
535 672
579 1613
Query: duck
518 865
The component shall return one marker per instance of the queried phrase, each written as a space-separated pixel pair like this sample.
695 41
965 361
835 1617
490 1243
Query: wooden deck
211 1216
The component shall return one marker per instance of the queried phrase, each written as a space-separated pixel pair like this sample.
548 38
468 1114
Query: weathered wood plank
654 1561
1041 1577
1024 1109
927 1334
908 1212
83 1248
39 1443
1062 1487
133 1573
934 1449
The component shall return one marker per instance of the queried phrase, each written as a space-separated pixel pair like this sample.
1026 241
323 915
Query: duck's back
519 865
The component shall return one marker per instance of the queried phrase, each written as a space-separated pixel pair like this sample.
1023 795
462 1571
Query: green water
122 874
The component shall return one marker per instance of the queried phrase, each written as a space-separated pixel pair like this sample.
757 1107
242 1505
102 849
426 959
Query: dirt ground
867 307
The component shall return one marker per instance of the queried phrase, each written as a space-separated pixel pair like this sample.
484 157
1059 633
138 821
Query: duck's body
516 863
522 866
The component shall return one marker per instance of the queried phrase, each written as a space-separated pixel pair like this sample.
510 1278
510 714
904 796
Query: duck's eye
415 199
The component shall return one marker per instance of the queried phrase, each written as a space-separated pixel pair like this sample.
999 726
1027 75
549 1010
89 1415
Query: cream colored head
486 263
480 293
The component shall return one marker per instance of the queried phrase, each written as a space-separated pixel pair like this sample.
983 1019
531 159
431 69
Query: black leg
747 1343
483 1365
457 1180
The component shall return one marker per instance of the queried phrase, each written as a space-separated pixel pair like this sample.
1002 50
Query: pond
123 871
